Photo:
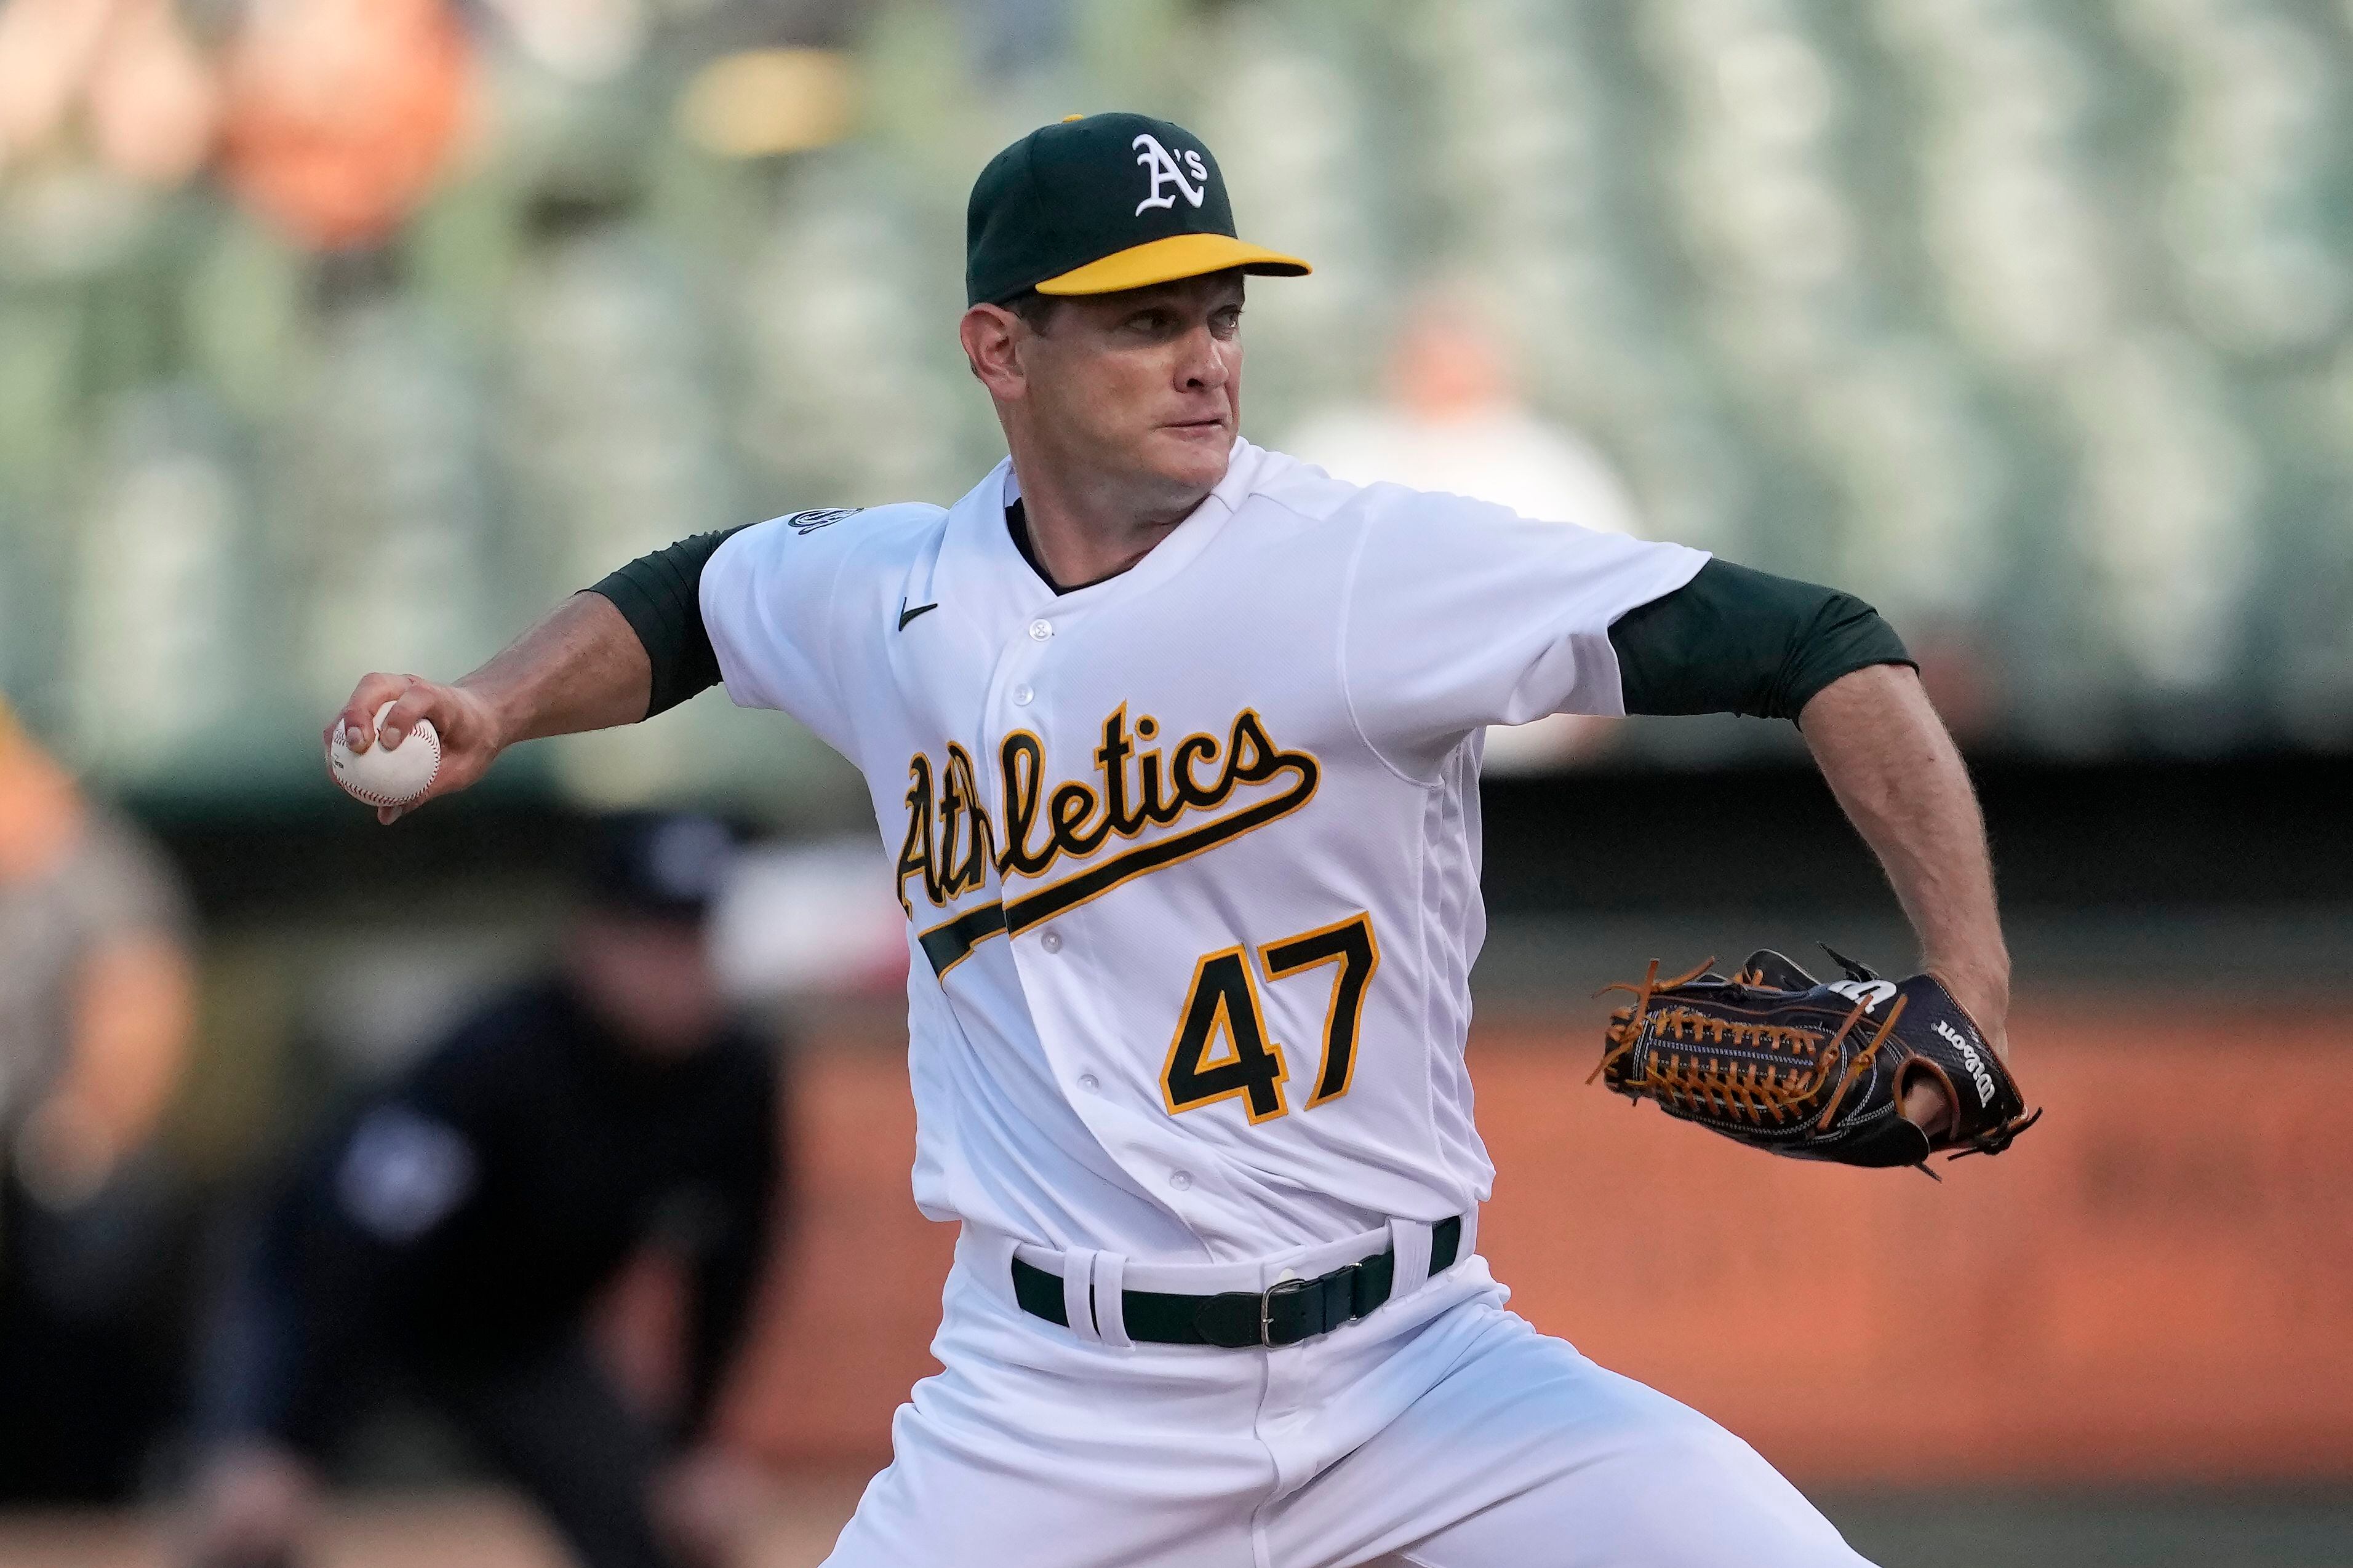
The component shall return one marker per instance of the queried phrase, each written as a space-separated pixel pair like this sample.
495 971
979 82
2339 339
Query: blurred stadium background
342 334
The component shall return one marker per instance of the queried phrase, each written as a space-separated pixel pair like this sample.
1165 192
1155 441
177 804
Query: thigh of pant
949 1501
557 1425
1527 1455
1032 1451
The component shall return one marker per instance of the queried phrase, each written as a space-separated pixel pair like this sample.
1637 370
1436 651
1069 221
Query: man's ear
992 346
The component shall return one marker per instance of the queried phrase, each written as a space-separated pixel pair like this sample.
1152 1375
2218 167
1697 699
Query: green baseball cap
1101 203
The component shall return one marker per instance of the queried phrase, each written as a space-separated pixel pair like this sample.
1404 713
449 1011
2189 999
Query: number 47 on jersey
1221 1049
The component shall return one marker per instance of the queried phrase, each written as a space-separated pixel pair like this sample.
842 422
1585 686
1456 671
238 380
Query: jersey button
1051 941
1022 696
1090 1082
1182 1181
1041 630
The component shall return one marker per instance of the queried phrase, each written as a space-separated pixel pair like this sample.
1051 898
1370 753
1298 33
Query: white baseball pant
1442 1431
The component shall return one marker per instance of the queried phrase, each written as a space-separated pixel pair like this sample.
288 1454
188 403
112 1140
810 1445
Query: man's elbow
1880 690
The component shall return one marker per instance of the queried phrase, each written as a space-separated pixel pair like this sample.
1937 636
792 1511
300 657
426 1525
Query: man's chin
1194 456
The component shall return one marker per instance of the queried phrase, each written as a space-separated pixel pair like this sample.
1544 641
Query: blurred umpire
449 1235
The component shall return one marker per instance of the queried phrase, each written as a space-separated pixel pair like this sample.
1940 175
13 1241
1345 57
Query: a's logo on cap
1163 170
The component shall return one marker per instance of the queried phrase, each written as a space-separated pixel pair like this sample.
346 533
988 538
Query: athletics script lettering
1136 786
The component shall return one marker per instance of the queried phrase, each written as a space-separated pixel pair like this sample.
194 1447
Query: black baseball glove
1782 1061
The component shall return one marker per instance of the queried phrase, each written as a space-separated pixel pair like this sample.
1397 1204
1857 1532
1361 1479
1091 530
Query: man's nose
1203 367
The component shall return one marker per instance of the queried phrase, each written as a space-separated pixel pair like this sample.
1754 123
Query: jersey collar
979 563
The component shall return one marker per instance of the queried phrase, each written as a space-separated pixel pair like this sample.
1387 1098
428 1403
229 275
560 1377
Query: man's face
1141 387
650 979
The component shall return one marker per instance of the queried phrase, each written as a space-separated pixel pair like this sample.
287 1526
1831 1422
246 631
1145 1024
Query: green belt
1292 1310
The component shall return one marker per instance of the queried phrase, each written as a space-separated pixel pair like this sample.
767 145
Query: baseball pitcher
1175 745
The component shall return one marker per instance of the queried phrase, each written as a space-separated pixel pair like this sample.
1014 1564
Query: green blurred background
2028 322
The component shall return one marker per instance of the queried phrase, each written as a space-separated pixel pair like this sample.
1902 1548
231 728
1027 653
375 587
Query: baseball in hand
383 775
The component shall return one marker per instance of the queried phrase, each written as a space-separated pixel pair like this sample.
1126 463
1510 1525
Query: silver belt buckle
1266 1307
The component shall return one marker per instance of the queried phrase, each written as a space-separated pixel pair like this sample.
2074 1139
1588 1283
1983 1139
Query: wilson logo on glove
1977 1074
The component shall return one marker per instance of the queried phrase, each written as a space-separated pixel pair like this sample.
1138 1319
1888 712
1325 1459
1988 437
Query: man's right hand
580 668
465 721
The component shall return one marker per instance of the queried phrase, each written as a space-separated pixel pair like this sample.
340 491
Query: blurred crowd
96 1012
343 333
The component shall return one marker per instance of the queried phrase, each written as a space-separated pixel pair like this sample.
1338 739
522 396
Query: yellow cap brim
1166 260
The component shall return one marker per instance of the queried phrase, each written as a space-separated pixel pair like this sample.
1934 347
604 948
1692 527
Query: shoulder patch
810 521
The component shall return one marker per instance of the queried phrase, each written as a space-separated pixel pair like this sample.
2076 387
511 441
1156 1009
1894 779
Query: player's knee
1688 1444
1749 1501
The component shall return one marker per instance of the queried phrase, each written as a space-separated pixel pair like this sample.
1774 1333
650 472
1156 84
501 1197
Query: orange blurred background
2155 1286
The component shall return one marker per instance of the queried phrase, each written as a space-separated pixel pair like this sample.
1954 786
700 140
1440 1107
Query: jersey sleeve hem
1690 564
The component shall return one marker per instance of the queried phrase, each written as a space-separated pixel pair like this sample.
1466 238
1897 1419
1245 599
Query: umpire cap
1099 203
666 864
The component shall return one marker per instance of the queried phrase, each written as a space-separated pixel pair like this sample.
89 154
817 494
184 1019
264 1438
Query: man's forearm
1896 773
580 668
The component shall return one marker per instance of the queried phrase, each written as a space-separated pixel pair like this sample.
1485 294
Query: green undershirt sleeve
661 597
1733 640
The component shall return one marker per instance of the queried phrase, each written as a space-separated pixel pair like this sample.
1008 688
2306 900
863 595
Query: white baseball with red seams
381 775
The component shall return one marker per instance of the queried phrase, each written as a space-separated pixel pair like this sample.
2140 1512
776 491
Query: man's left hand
1926 1104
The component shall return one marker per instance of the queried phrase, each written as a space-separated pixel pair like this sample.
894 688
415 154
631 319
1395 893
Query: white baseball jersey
1189 857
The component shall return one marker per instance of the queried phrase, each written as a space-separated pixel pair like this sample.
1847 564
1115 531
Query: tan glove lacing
1695 1082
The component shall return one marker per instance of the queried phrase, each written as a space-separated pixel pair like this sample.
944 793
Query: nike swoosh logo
906 615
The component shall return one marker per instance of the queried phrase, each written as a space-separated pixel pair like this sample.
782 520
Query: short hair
1036 309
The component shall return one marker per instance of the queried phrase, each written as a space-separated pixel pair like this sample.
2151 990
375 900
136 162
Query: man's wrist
494 709
1983 992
